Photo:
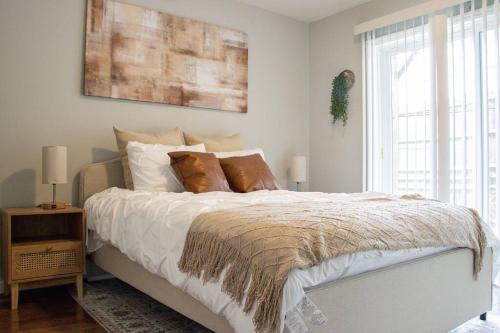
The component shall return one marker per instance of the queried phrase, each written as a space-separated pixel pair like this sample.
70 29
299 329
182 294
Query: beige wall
336 153
41 53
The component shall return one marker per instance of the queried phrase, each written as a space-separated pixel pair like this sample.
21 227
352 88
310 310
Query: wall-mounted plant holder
339 100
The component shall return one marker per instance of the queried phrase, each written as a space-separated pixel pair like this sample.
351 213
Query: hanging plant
341 85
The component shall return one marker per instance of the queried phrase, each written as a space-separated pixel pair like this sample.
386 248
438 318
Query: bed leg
483 317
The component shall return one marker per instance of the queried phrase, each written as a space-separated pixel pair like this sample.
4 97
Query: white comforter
151 227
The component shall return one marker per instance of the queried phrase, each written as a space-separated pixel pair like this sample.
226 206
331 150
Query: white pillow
225 154
150 166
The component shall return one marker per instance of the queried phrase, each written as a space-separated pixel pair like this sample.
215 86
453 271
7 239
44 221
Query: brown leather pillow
199 172
248 173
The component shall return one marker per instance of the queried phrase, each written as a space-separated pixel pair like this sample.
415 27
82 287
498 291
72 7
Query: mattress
150 228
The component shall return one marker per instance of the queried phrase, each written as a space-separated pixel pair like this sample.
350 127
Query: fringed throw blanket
261 244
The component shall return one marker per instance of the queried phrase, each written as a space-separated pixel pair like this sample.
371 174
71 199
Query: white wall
336 152
291 66
41 51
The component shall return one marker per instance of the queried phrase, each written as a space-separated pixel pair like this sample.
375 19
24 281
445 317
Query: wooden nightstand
42 248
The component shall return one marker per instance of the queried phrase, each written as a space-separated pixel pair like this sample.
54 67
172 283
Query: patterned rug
119 308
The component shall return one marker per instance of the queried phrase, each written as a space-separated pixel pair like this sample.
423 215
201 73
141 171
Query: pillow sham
172 137
248 173
199 172
150 166
246 152
215 143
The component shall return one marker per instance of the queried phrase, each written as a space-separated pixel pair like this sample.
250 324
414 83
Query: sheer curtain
432 101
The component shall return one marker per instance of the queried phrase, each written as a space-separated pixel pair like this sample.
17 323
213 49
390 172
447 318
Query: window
432 99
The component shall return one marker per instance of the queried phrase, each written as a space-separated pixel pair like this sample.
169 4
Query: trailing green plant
340 98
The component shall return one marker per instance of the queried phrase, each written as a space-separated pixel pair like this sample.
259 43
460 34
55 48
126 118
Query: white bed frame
432 294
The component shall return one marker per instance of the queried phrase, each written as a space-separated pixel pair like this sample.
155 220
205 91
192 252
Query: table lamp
54 170
298 170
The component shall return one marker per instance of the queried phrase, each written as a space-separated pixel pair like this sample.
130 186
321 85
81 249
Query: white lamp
298 170
54 171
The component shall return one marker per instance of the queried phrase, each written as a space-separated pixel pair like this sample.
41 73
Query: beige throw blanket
261 244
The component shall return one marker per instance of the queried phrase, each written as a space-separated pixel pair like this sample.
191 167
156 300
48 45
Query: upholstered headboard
97 177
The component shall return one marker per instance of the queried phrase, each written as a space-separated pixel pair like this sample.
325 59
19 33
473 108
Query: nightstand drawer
46 259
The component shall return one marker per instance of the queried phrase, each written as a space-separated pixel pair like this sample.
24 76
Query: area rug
119 308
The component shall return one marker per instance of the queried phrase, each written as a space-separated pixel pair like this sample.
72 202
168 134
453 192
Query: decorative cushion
173 138
248 173
216 143
246 152
150 166
199 172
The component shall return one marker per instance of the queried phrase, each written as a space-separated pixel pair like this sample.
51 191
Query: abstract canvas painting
146 55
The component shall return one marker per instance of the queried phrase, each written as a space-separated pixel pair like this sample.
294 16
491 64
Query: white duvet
151 227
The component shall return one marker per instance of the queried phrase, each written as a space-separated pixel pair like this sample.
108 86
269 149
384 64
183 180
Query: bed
430 292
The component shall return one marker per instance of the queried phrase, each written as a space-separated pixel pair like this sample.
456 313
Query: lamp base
53 205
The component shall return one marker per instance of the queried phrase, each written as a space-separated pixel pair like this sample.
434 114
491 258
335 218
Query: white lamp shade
298 170
54 168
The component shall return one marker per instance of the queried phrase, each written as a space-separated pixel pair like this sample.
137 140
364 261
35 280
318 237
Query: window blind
432 101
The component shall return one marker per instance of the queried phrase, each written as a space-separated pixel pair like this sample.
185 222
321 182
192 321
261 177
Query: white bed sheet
151 227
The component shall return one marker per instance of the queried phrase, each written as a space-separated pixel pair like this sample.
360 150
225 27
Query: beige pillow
215 143
172 137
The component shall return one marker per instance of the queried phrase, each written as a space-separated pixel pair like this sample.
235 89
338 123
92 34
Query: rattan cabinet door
47 259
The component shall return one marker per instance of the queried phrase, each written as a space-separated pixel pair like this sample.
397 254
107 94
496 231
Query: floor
53 310
46 310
